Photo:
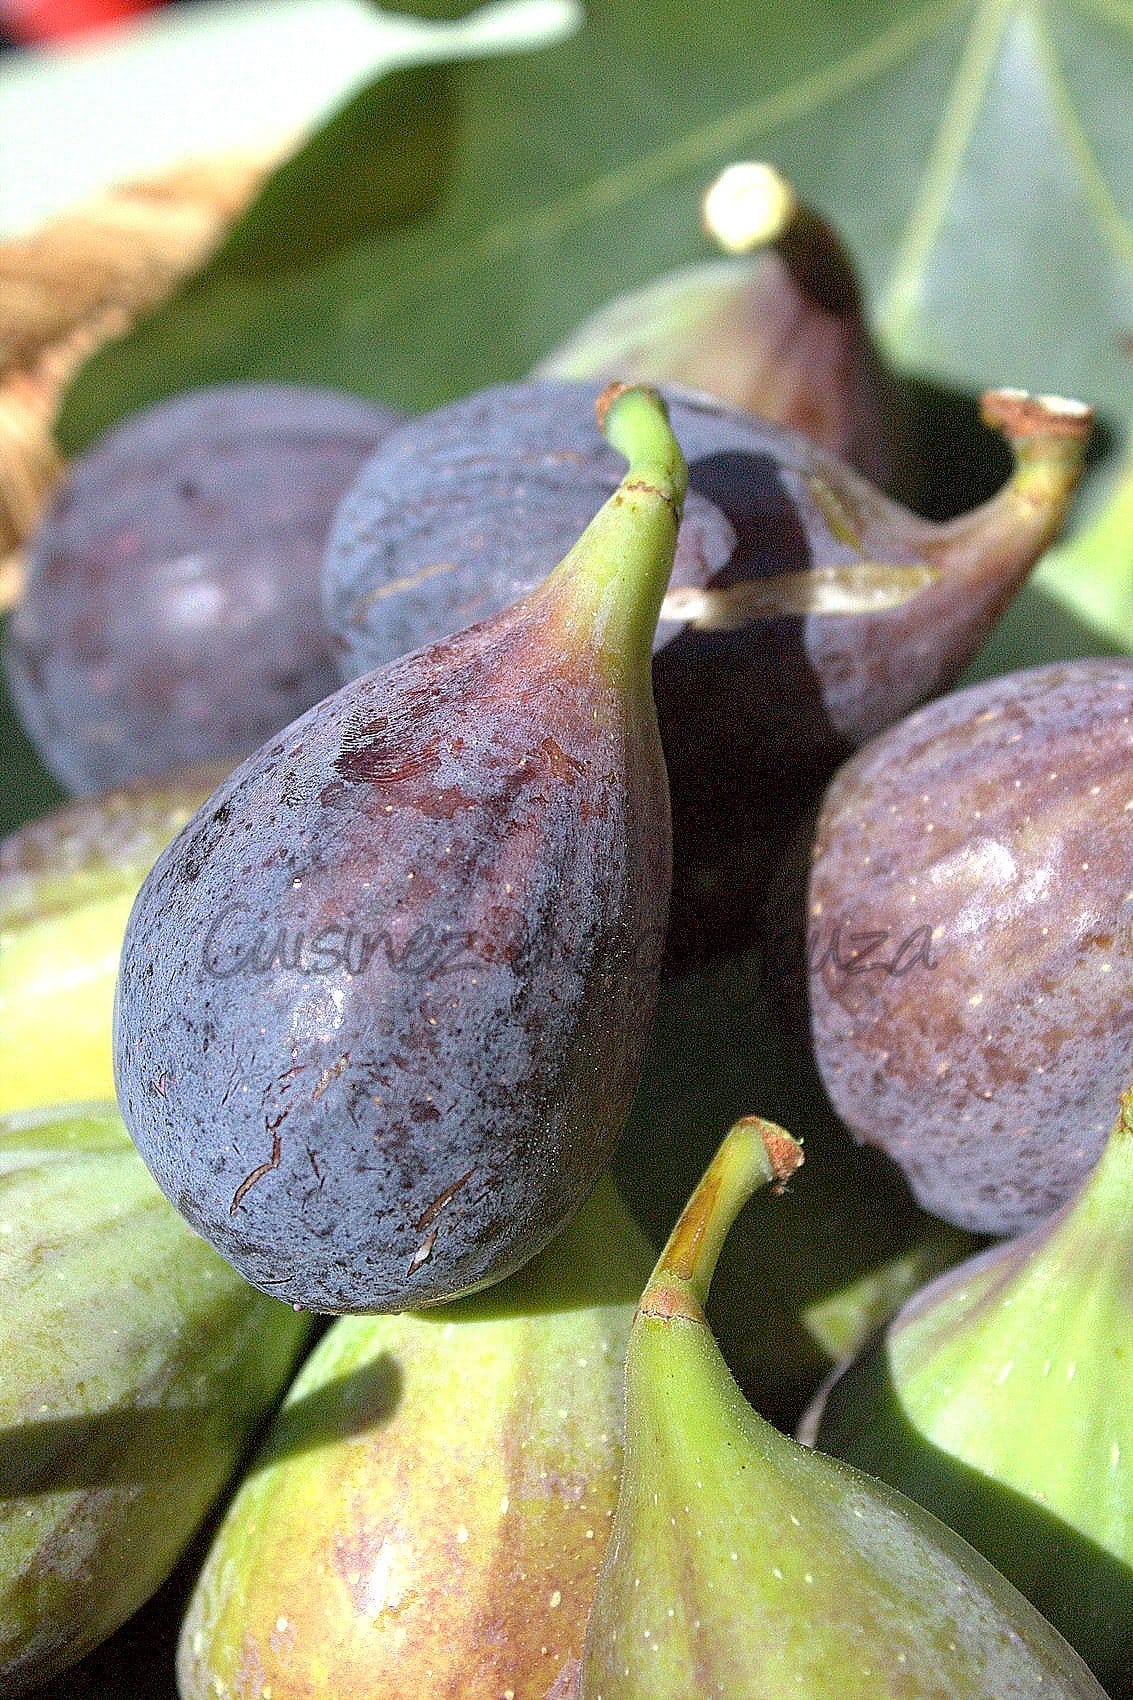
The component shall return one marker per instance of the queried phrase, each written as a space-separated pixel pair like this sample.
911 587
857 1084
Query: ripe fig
134 1368
1001 1398
780 332
382 1004
743 1565
170 612
67 882
969 959
806 611
429 1511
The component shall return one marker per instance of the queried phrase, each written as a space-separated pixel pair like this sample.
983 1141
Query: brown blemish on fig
430 1214
249 1181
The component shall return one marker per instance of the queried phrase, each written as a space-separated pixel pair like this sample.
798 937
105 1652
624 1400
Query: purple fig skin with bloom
970 976
383 1004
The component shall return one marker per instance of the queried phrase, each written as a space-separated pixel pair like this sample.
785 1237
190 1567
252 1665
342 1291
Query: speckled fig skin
429 1511
784 640
171 609
382 1006
969 947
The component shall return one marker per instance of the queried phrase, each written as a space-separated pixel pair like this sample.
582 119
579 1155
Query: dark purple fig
170 612
1001 1399
806 611
780 332
383 1003
969 951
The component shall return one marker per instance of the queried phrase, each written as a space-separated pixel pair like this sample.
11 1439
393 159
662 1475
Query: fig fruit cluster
528 727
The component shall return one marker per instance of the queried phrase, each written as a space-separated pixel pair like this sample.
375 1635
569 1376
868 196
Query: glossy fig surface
743 1565
382 1004
430 1509
969 959
779 332
67 882
806 610
1001 1398
170 612
134 1368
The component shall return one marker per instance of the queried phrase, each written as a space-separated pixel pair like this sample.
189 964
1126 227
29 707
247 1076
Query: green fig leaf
1001 251
973 155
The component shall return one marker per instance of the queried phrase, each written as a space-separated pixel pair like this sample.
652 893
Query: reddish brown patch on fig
783 1153
1020 415
607 399
661 1303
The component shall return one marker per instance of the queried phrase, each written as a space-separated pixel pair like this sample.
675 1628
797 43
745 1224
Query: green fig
430 1509
740 1564
67 882
134 1368
780 332
1001 1398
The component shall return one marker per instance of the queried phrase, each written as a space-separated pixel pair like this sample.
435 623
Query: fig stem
754 1153
1047 436
751 205
610 587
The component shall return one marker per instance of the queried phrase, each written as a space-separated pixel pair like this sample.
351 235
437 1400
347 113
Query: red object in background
48 20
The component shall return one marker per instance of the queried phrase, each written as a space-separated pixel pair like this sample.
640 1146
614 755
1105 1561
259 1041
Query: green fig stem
616 575
754 1153
1047 436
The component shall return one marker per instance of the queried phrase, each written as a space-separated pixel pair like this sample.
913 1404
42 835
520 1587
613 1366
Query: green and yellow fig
1001 1397
743 1565
67 882
135 1366
430 1509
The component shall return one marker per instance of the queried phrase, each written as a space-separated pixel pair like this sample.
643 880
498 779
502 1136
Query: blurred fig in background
67 882
170 612
968 961
430 1509
779 332
134 1368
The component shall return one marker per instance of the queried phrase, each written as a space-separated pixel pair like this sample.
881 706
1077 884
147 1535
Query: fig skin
969 964
134 1368
1000 1399
806 611
382 1005
429 1511
67 881
170 612
743 1565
